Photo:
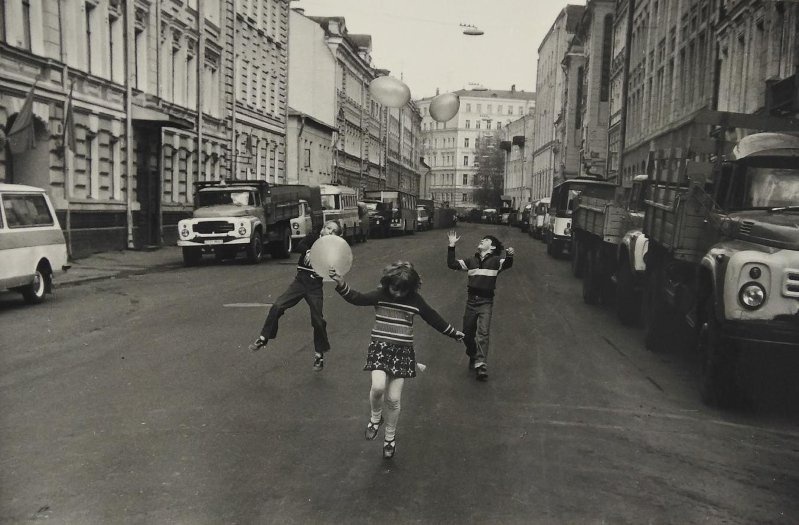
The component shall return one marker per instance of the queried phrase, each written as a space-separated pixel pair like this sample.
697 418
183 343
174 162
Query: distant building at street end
549 163
449 147
516 140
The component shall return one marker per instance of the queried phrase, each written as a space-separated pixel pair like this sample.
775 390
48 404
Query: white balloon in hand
389 91
444 107
331 251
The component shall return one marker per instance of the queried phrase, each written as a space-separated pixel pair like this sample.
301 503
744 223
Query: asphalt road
136 401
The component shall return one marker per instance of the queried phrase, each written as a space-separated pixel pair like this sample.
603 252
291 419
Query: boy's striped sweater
393 316
482 271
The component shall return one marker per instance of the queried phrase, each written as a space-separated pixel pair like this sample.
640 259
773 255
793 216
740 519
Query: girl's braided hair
403 276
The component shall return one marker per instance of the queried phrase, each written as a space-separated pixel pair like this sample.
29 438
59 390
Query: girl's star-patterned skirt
395 360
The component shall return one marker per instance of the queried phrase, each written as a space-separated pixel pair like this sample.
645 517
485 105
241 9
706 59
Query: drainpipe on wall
233 153
200 71
299 150
130 15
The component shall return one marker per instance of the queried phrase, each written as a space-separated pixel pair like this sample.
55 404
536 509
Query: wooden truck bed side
597 213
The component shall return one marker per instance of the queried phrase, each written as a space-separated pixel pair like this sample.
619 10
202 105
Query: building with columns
516 140
583 128
549 163
161 94
449 148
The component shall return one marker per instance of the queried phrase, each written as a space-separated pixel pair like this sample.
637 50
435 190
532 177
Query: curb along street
110 265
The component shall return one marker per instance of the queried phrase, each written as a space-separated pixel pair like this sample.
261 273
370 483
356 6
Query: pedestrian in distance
483 268
306 285
391 358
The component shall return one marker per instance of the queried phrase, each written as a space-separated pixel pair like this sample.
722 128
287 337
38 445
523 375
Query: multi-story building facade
157 103
548 164
449 147
583 128
403 155
517 139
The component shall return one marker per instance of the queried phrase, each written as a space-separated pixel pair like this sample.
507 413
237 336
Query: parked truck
723 251
609 245
242 215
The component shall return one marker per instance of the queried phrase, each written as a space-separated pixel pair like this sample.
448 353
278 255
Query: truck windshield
215 198
330 202
763 188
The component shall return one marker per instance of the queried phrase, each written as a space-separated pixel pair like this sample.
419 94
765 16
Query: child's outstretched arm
353 296
507 261
452 262
432 318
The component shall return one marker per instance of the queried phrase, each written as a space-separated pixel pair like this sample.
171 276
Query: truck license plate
213 241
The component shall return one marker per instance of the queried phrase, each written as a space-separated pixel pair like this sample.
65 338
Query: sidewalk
109 265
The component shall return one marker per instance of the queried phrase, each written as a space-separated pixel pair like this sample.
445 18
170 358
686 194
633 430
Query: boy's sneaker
258 344
318 362
389 447
482 373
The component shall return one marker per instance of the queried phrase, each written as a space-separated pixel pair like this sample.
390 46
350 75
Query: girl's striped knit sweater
394 317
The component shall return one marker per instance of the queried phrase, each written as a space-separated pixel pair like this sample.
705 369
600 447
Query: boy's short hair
403 276
496 243
338 225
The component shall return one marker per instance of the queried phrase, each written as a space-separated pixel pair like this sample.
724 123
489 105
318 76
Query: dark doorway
148 184
31 167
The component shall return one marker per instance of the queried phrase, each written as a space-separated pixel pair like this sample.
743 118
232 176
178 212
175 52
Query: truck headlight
242 231
752 295
296 226
185 232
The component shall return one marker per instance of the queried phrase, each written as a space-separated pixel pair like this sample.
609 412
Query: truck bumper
781 332
239 242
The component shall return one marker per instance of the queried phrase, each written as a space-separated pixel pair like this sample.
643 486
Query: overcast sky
422 41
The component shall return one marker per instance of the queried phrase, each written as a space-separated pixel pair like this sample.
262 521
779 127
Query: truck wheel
255 251
34 292
281 249
192 256
592 283
578 257
657 317
718 384
628 301
551 248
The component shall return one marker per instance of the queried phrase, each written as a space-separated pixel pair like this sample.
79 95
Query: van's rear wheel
255 251
34 292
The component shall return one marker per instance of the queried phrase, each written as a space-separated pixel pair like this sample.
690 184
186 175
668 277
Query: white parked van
32 246
341 203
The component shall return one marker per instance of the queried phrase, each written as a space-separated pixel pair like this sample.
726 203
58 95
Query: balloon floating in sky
444 107
389 91
331 250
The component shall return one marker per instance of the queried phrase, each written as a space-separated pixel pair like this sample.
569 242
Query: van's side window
23 211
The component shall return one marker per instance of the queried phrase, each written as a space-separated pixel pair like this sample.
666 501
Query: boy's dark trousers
302 287
476 324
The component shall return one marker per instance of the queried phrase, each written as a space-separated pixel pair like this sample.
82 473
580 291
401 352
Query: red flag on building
69 125
22 137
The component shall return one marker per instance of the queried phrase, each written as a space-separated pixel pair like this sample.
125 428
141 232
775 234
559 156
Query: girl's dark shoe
258 344
482 373
389 447
318 362
372 429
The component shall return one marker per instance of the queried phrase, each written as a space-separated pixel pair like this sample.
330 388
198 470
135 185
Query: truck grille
746 227
209 227
790 285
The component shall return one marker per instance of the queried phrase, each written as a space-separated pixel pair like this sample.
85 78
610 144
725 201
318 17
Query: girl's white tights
386 393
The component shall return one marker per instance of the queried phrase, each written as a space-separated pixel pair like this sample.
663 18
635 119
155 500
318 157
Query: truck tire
628 300
657 317
192 256
718 385
578 256
255 251
281 249
592 280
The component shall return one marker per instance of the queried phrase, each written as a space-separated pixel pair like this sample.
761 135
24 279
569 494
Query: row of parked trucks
709 235
255 217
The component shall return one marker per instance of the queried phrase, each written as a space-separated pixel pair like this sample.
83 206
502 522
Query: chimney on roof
436 91
513 88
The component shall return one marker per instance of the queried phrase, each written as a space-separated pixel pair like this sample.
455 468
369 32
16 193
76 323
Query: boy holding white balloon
306 285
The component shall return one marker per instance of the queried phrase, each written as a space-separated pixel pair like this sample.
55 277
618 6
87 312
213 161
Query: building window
465 182
466 142
499 109
26 23
499 125
468 124
89 12
510 110
2 21
465 197
521 110
307 158
465 160
477 124
141 59
479 108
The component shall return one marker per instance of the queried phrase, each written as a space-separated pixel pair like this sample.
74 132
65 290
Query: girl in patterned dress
390 357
